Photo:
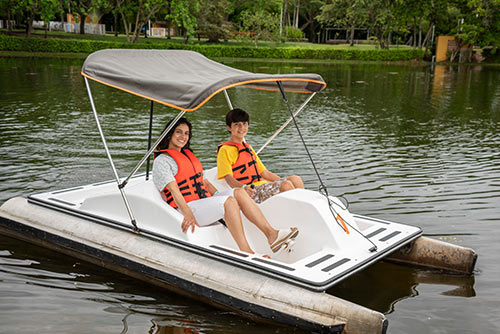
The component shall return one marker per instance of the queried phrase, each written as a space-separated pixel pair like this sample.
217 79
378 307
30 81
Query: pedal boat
125 225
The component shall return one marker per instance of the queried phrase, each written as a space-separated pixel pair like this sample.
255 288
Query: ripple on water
400 143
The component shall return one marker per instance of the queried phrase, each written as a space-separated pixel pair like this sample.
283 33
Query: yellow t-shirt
226 158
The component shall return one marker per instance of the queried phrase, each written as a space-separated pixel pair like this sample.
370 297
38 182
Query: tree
259 24
81 8
479 24
8 7
349 14
140 11
311 8
213 19
47 9
183 15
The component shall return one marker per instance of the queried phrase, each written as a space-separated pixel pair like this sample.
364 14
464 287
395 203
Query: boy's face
238 130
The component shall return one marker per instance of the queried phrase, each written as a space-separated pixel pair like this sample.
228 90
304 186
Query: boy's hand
250 191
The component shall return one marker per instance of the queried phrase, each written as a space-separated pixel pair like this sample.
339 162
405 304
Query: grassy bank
68 44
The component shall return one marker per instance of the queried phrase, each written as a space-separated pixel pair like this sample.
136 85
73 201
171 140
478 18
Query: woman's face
180 137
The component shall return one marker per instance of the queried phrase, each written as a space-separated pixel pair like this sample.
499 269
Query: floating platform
183 271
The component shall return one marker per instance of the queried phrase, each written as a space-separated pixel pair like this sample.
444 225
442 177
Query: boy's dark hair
237 115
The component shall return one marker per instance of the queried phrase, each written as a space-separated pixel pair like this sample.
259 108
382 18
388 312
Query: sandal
283 237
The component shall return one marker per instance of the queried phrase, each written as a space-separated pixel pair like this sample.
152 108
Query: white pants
209 210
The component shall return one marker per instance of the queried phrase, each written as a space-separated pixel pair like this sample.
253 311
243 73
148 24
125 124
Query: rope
322 188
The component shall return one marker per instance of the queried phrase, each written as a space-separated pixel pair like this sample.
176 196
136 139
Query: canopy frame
105 74
117 178
152 148
150 133
121 184
287 122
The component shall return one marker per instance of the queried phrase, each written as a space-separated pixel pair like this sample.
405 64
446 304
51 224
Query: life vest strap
242 167
256 177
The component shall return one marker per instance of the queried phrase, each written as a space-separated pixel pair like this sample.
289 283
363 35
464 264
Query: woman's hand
189 222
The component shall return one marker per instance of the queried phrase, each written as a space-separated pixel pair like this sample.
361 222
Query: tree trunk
427 38
138 32
169 21
29 25
9 24
414 33
46 28
312 27
297 9
116 23
285 10
126 24
138 22
141 19
82 23
351 38
454 52
312 31
380 36
420 33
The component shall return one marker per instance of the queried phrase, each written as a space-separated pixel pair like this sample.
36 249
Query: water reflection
36 281
384 284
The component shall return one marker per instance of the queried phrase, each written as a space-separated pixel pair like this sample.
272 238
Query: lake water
413 144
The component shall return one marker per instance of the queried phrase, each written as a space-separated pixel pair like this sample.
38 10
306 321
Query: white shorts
209 210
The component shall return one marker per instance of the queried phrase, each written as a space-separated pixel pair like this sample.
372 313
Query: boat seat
211 175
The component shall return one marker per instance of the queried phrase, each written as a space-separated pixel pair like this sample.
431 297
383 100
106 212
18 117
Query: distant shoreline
74 44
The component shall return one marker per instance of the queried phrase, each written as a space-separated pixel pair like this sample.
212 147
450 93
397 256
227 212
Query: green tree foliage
45 9
479 22
381 19
135 14
83 8
183 14
7 8
310 9
349 14
213 19
473 22
259 25
80 9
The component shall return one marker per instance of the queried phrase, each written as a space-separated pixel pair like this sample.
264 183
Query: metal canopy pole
131 215
149 139
287 122
228 100
146 156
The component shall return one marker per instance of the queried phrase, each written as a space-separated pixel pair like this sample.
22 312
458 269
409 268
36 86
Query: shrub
294 34
11 43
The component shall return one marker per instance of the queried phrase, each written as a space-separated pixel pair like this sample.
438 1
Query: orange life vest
189 176
245 168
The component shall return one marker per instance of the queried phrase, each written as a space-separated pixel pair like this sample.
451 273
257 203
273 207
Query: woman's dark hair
237 115
163 145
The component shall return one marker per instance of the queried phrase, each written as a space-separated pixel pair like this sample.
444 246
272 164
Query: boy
240 166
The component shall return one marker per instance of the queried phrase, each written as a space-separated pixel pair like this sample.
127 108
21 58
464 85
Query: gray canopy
183 79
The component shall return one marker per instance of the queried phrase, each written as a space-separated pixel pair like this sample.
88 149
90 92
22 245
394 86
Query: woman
178 174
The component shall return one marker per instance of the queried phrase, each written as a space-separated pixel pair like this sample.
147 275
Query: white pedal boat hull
184 271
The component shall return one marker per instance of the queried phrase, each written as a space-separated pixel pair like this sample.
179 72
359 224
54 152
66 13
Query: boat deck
322 255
